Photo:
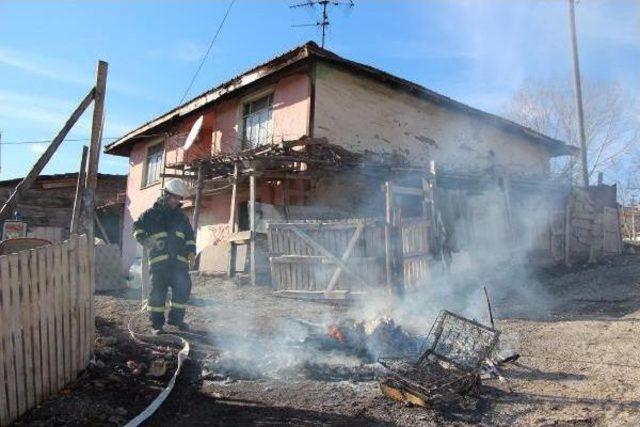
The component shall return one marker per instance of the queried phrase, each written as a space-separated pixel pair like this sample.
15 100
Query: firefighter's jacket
167 233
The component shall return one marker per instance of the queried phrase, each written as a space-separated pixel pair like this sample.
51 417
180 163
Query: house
48 205
361 125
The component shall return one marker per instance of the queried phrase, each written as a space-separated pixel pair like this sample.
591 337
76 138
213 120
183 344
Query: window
152 165
256 122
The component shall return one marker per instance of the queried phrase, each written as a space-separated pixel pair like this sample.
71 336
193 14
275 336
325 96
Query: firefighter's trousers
174 275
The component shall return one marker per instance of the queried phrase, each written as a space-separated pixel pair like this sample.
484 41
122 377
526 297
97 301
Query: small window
153 165
256 122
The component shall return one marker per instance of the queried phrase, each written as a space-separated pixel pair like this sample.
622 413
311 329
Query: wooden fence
46 327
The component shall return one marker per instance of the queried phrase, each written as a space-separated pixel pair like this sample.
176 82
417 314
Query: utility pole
324 22
578 92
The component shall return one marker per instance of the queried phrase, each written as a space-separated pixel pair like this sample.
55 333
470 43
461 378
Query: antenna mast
324 22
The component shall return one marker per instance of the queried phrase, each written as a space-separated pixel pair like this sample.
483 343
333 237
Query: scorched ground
580 363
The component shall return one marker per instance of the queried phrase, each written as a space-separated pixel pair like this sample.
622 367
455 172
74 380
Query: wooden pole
28 180
91 182
198 201
77 200
387 235
578 92
252 227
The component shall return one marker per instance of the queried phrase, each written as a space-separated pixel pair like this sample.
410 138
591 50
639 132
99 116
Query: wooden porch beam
252 228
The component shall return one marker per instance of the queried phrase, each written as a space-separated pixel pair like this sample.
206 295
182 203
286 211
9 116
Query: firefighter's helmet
177 187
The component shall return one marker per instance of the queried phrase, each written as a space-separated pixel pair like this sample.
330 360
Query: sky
477 52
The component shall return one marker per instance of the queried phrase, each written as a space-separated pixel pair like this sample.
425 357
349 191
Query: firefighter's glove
150 243
192 260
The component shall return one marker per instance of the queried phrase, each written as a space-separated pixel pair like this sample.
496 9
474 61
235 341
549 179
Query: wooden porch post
231 266
252 227
198 201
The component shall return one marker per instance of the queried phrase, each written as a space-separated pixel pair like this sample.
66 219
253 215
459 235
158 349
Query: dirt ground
579 364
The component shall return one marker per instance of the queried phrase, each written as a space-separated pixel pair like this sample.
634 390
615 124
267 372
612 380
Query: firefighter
164 230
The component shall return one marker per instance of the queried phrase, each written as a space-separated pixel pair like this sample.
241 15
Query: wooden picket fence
47 322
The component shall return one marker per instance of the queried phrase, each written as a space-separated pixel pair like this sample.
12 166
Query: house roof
60 176
310 49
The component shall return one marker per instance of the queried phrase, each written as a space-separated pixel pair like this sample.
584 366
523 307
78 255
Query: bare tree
612 123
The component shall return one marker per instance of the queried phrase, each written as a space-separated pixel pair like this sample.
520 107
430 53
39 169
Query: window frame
145 164
270 91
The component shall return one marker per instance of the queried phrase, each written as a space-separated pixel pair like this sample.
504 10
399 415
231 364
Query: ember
367 340
336 334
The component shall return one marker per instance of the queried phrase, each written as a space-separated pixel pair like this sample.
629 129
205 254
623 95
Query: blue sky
477 52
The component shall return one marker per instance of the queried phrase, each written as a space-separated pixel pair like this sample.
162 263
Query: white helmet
177 187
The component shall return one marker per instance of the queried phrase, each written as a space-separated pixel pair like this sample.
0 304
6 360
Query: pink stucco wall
138 200
220 132
291 107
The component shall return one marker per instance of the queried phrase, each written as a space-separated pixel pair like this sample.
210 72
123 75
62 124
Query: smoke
491 246
283 350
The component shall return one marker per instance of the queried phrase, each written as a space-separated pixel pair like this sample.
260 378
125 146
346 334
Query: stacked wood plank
46 327
47 205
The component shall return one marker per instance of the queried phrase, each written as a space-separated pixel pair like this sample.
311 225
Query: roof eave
555 147
121 146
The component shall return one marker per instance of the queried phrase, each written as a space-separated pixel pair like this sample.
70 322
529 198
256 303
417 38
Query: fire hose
164 339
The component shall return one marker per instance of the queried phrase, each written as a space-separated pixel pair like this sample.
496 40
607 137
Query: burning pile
367 340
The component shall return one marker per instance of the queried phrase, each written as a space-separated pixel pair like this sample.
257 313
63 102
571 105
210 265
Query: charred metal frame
439 371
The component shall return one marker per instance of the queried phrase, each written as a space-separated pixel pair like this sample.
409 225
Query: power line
47 141
204 58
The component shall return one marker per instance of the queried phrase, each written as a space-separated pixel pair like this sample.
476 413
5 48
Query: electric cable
204 58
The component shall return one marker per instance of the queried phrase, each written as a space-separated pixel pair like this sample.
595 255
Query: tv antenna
324 22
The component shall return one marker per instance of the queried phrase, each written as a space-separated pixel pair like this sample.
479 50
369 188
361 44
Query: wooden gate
415 251
330 259
46 327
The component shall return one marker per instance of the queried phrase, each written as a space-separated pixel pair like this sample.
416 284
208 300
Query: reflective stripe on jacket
168 233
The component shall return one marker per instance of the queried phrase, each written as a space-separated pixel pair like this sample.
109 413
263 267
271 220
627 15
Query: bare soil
579 364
